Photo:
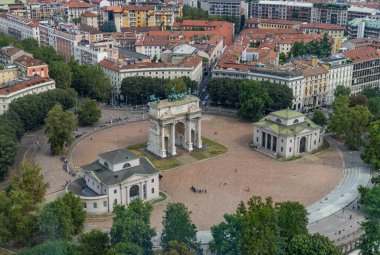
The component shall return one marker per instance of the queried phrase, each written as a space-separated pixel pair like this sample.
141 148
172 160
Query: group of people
195 190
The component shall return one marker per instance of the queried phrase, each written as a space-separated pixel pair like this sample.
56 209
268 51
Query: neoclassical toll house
286 133
174 123
116 177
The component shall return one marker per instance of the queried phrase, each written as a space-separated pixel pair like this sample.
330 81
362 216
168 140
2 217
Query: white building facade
286 134
116 178
86 55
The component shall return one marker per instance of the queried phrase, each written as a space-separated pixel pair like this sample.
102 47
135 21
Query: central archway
134 192
180 134
303 145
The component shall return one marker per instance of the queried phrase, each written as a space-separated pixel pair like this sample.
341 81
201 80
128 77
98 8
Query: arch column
198 132
189 144
173 147
162 143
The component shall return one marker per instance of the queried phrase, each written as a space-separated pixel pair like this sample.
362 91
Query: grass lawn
161 198
211 149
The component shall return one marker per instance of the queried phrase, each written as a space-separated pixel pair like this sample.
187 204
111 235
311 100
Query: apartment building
74 10
139 16
151 46
332 13
90 19
87 55
316 80
282 10
22 87
272 23
225 7
9 54
115 72
166 15
19 27
364 27
366 68
340 73
29 66
8 74
43 9
125 40
355 12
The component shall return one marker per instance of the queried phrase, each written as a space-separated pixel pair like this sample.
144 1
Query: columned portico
174 123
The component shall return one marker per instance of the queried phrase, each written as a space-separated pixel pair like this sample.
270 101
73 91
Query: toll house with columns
174 122
286 134
116 177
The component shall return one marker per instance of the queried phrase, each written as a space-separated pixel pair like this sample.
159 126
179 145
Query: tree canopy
61 73
60 126
321 48
319 117
88 112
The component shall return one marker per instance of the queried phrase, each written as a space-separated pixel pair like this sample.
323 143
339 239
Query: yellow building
8 74
138 16
316 79
167 15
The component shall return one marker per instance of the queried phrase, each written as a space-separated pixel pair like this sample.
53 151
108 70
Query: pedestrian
350 216
91 138
235 170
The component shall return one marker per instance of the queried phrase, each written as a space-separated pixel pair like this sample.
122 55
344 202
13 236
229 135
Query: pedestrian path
343 194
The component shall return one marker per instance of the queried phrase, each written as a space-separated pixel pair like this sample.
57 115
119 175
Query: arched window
126 165
115 202
278 120
134 192
295 121
106 164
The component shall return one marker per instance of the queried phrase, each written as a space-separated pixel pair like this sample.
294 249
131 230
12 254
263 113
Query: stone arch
134 192
303 145
180 129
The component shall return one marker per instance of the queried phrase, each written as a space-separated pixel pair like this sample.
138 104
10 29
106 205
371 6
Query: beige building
75 9
115 72
115 178
90 19
286 134
8 74
22 87
316 80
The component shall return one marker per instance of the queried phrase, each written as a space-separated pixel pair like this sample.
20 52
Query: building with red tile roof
29 66
272 23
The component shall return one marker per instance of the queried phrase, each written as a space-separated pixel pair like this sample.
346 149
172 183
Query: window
152 180
152 190
95 205
126 165
115 191
315 142
295 121
257 139
282 149
290 149
84 205
115 202
105 203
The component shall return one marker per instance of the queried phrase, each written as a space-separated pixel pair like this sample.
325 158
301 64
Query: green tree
8 151
125 248
178 227
340 116
371 154
77 212
55 222
281 95
61 73
109 26
319 118
177 84
371 92
31 182
342 91
358 100
47 54
52 248
175 248
306 244
292 221
29 44
94 242
60 126
254 99
89 112
227 234
374 107
132 225
357 125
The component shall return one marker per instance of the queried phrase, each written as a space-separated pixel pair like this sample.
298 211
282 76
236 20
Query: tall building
331 13
19 27
364 27
224 7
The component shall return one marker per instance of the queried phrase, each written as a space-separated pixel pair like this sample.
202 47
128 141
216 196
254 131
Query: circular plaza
230 178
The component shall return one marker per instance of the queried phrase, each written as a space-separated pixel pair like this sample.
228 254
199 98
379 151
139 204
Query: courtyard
230 178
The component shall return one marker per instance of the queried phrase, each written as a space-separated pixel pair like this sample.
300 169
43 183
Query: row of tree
253 98
136 90
27 114
23 218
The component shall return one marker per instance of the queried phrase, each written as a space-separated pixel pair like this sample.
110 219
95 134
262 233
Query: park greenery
262 227
320 48
136 90
88 112
27 114
254 99
319 117
191 13
60 126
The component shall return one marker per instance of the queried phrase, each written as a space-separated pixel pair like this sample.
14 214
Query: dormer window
295 121
278 120
126 165
106 164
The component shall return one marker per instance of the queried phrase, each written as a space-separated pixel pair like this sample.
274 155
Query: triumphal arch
173 122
